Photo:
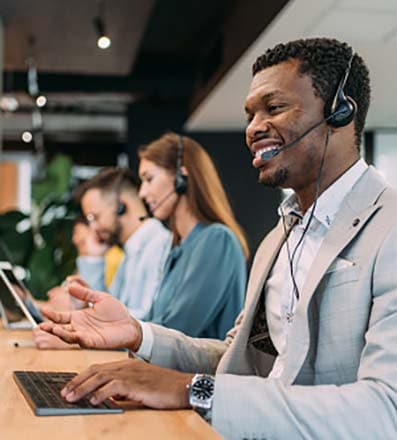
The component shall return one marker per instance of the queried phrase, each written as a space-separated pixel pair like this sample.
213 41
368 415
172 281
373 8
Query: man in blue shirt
113 210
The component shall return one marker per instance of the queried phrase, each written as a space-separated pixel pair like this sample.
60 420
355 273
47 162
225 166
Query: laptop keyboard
42 391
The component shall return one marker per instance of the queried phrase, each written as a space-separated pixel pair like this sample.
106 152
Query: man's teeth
264 150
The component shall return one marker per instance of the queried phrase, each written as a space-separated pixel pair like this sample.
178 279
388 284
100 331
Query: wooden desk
17 421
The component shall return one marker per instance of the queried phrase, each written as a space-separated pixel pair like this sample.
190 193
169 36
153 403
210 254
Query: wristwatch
201 394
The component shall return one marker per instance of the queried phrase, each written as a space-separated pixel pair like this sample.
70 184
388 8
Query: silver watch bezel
201 404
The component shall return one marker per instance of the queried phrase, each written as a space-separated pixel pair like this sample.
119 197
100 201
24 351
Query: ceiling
61 36
369 26
166 55
172 63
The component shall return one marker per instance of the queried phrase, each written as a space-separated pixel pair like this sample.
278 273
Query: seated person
116 215
203 287
84 238
314 353
86 241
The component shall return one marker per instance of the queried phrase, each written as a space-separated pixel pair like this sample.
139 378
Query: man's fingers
47 326
79 379
76 279
109 389
55 291
58 317
66 334
84 384
86 294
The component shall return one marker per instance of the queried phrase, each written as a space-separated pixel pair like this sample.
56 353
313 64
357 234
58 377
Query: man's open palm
105 325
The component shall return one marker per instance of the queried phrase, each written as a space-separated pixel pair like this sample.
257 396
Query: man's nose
258 124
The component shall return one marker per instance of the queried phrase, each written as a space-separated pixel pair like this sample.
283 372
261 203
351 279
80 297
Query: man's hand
132 379
47 341
107 324
59 299
75 278
87 242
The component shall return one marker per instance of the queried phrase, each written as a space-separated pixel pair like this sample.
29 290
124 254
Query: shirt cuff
146 347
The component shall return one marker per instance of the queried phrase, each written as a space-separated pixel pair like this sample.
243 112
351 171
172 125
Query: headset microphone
163 200
267 155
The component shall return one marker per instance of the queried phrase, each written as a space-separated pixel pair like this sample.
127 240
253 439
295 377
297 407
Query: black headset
180 184
123 174
339 114
342 109
121 208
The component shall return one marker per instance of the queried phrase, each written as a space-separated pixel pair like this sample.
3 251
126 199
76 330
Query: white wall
385 154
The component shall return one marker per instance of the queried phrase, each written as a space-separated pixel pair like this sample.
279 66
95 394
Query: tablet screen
12 308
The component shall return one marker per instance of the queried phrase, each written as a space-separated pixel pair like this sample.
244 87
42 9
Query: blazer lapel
358 207
236 359
260 271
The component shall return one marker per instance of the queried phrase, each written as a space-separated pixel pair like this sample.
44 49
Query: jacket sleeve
256 407
173 349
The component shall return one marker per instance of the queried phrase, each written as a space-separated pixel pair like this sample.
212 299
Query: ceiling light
27 137
103 41
9 103
41 101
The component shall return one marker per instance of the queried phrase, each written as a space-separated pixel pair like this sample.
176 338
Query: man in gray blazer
314 353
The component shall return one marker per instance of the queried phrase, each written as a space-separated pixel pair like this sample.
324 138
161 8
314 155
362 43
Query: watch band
201 395
206 414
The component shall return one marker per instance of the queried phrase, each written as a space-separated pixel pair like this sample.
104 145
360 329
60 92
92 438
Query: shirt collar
141 236
329 201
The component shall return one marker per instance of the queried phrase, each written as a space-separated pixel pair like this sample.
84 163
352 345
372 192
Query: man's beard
112 237
277 180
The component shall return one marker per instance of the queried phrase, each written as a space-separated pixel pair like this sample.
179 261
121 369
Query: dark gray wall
254 205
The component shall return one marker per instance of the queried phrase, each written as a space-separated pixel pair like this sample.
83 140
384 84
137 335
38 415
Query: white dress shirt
281 299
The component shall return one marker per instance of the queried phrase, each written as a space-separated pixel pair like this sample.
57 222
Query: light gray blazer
340 376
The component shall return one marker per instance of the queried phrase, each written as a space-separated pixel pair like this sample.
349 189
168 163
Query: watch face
203 389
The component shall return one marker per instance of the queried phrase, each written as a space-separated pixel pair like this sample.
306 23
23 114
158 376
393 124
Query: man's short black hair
108 180
325 60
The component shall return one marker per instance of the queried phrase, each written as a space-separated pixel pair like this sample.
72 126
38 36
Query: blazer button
356 221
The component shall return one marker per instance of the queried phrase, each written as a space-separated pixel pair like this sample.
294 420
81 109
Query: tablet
16 302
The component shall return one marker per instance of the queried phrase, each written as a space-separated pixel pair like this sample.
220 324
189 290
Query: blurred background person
115 215
86 242
85 238
205 274
202 290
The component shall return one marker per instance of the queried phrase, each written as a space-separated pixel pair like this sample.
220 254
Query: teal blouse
203 287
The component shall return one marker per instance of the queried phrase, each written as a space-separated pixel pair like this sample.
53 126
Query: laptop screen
18 309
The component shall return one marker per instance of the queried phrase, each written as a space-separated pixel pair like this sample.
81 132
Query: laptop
17 307
42 392
40 388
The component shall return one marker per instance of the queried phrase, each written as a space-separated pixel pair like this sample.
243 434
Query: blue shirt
203 287
140 271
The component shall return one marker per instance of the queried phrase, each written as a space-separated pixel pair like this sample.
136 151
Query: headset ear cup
180 183
121 209
343 114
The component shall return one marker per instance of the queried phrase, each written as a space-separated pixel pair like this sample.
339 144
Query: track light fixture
103 41
36 133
